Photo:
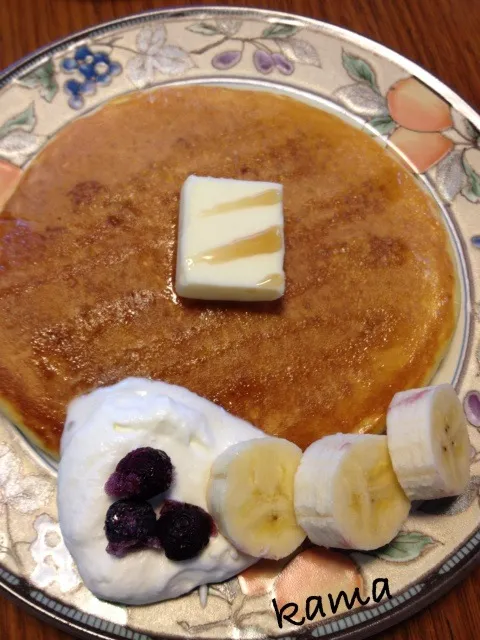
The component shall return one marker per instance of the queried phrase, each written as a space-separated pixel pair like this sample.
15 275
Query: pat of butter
230 240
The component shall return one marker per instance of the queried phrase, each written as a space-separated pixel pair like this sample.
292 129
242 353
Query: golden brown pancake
87 254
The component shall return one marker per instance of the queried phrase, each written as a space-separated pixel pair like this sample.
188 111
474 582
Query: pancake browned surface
87 259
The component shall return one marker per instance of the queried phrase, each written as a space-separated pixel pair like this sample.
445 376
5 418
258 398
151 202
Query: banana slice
347 495
250 496
428 442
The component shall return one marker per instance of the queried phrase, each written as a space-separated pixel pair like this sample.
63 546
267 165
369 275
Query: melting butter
271 281
268 241
237 256
267 198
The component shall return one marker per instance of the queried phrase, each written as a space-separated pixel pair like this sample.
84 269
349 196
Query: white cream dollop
101 428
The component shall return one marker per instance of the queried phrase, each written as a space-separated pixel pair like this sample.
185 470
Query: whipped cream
101 428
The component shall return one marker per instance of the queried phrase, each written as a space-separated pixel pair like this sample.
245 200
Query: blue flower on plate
96 69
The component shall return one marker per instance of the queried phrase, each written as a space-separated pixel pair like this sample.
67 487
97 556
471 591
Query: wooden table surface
443 36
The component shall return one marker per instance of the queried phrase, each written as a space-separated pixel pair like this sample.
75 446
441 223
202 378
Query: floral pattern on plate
97 69
420 125
18 141
275 48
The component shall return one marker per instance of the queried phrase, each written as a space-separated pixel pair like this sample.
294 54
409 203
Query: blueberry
184 530
130 524
143 473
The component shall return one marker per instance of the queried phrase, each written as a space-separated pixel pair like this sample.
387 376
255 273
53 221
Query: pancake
87 255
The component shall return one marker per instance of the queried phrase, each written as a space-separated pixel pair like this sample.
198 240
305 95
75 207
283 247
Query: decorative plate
370 87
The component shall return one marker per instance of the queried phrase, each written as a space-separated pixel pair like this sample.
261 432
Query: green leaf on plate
279 30
383 124
24 120
405 547
470 195
473 132
359 69
204 28
472 190
43 77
